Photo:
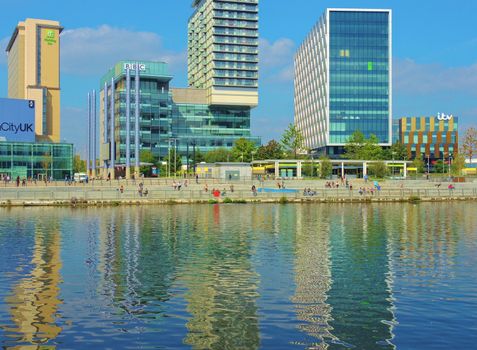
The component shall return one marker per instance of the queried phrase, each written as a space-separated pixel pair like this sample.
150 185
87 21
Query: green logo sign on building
50 37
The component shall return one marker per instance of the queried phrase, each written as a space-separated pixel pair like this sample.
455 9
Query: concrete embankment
155 192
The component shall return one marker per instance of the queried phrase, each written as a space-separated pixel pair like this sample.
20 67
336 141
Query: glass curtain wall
359 75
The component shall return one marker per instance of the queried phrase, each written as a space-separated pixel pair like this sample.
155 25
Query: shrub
283 200
228 200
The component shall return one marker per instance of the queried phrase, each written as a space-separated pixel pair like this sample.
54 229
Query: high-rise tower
343 79
34 72
223 51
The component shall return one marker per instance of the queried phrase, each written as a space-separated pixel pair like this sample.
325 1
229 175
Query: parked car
80 177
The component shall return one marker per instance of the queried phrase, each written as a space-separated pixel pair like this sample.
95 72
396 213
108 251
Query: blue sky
434 49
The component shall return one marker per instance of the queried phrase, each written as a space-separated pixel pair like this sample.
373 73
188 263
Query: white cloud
411 77
91 51
277 53
276 60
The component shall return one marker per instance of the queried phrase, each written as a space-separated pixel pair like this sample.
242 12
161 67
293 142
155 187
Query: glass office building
36 160
430 138
343 79
168 118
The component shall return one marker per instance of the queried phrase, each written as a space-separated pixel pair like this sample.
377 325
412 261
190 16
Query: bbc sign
17 120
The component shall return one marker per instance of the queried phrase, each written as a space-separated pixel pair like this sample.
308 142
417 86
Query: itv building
343 79
30 117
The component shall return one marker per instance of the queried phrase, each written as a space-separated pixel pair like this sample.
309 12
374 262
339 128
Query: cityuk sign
16 128
17 120
442 116
132 66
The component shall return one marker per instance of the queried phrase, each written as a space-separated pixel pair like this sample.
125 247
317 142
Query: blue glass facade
359 75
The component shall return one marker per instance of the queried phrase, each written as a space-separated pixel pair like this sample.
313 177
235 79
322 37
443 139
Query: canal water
233 276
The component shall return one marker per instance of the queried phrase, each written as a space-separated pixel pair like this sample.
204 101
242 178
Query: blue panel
17 120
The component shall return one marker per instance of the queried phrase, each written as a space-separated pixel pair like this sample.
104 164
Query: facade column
365 169
277 169
93 130
136 125
128 123
342 170
106 127
405 170
112 163
298 169
88 150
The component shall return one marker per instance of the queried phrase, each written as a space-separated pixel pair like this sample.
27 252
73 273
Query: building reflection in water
221 284
313 274
359 296
34 300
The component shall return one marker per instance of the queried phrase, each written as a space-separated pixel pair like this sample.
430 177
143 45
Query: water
384 276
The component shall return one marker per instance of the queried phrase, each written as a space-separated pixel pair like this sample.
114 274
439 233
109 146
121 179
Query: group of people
309 192
176 186
216 192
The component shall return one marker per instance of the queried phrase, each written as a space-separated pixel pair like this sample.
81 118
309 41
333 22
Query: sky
434 52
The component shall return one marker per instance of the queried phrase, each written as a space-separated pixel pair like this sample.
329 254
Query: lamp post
428 163
450 162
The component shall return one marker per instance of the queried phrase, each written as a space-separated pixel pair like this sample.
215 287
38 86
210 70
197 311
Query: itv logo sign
17 120
442 116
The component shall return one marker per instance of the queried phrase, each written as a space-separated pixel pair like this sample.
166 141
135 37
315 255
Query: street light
450 162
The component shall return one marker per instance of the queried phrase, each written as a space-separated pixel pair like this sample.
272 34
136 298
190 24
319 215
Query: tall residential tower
343 79
34 72
223 51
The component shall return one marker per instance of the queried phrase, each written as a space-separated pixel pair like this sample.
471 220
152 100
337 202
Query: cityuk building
30 117
343 79
434 138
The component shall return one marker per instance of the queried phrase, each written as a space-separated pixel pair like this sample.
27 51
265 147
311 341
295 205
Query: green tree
354 146
418 163
397 152
79 165
469 145
272 150
439 167
242 150
146 156
46 163
326 168
371 149
379 169
458 164
293 140
218 155
173 163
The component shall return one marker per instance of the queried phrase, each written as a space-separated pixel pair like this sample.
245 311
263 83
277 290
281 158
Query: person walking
18 181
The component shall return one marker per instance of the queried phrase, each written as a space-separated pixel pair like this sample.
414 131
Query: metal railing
105 194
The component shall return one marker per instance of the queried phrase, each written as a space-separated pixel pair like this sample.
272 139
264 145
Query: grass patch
228 200
213 201
414 199
240 201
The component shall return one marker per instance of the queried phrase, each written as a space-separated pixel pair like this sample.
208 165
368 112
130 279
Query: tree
359 148
242 150
293 140
379 169
46 163
371 149
146 156
439 167
218 155
79 165
326 168
396 152
458 164
174 162
272 150
469 145
354 146
418 163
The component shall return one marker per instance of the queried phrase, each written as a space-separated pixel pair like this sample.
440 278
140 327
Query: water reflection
34 300
240 277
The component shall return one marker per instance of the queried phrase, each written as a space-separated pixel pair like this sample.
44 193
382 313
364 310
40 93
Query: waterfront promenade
163 190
